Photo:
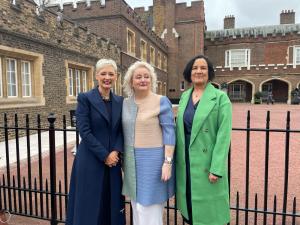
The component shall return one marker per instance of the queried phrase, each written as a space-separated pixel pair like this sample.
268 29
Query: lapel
206 104
116 109
182 106
96 100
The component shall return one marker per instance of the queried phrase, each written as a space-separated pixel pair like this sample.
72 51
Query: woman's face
106 76
199 74
141 79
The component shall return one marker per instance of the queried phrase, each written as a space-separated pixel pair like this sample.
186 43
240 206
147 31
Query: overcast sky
247 13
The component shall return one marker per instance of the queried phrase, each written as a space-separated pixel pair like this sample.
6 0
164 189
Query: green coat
209 145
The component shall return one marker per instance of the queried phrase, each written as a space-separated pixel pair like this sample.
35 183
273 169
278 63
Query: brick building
166 35
45 61
254 59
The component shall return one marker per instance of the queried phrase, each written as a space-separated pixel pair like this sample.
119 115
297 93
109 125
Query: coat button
204 150
205 130
206 170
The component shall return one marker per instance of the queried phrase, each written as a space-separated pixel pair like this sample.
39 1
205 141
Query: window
78 76
79 79
71 92
296 55
1 89
21 78
26 78
152 55
11 77
266 87
159 60
237 91
77 83
164 63
159 88
83 75
237 58
165 88
143 50
130 42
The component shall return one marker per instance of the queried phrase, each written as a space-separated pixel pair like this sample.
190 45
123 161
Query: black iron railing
37 187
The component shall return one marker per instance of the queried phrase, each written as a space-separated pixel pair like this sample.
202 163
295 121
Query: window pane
77 74
11 77
84 84
71 82
238 58
26 79
297 55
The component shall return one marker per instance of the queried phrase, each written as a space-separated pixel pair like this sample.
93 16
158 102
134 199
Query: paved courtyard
238 159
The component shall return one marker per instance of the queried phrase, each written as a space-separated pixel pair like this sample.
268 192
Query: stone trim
37 98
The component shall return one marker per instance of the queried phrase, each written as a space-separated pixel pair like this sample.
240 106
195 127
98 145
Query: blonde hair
127 84
106 62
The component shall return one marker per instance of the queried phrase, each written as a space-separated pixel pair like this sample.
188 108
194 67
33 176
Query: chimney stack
287 17
229 22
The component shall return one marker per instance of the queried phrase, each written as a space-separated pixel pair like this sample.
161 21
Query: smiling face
106 76
141 79
199 73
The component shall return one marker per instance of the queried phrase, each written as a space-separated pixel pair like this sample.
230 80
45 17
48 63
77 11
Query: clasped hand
112 159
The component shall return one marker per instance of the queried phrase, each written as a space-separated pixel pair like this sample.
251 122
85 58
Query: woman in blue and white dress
149 140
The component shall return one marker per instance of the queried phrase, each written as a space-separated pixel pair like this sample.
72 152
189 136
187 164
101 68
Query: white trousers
147 215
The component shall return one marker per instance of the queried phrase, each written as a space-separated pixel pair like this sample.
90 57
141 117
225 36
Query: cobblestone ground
238 158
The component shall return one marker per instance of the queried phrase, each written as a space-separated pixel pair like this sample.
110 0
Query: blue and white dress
148 129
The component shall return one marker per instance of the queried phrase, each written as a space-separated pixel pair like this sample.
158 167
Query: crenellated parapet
238 34
97 10
186 13
259 69
54 28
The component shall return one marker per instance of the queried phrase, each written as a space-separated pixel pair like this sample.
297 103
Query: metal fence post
51 120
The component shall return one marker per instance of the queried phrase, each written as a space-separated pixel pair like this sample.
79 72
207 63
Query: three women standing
203 138
96 181
149 139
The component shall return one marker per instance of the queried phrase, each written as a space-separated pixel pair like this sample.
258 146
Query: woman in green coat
203 138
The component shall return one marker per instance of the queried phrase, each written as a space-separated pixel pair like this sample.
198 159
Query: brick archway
241 90
281 89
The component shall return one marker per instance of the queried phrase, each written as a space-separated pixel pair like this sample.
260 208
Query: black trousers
188 181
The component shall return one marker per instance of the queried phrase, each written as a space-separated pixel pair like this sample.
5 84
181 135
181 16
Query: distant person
270 97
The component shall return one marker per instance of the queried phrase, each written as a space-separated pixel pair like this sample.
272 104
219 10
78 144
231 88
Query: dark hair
188 68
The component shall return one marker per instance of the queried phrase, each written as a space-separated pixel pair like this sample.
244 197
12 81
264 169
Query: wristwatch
168 160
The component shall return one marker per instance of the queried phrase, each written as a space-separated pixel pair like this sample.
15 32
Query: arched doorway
280 89
240 91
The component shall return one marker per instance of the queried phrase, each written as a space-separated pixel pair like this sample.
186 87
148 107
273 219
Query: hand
112 159
166 172
212 178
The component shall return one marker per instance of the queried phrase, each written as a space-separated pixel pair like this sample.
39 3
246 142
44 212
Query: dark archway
280 89
240 91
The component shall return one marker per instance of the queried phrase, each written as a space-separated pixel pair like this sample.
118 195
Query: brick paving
238 157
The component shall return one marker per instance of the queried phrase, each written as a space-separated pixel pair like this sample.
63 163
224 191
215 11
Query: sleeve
221 148
83 125
166 120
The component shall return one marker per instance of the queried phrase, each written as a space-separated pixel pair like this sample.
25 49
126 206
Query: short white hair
127 85
106 62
